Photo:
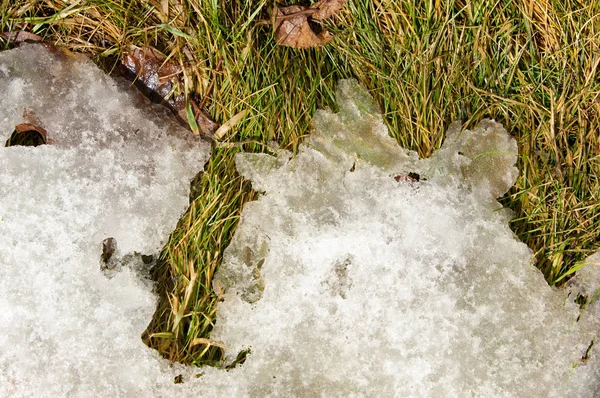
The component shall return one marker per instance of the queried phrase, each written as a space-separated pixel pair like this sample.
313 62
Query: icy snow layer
117 167
346 282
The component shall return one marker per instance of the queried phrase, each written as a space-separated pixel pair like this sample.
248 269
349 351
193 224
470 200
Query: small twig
210 87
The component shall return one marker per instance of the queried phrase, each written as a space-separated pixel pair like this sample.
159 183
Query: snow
347 282
347 277
117 167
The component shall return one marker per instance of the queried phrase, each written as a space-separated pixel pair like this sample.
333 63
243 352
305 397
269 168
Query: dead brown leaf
293 28
158 79
20 37
410 177
27 134
109 247
206 125
326 8
150 70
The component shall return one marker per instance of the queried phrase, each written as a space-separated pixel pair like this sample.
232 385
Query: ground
532 65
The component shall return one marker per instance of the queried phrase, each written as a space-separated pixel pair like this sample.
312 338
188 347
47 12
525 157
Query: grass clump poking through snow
530 65
189 262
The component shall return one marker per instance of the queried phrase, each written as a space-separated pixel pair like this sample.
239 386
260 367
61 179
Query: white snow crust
342 281
346 282
117 167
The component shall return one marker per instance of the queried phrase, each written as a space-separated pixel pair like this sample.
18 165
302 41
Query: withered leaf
109 247
27 134
206 125
410 177
292 24
20 36
296 31
326 8
162 82
152 73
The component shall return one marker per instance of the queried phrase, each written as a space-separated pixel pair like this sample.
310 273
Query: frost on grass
350 277
116 167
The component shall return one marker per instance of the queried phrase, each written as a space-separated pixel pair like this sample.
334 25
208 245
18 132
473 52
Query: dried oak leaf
109 247
206 125
326 8
27 134
158 79
20 37
292 24
410 177
152 73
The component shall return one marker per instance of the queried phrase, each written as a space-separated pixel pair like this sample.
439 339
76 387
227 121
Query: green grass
532 65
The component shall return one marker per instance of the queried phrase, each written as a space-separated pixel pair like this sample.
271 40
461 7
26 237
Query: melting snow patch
117 168
364 271
361 271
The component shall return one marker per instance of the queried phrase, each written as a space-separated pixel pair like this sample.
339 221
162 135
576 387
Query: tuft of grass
185 270
531 65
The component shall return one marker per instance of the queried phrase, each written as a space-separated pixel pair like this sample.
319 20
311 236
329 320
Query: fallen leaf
204 123
20 36
109 247
326 8
159 80
150 70
27 134
292 24
410 177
